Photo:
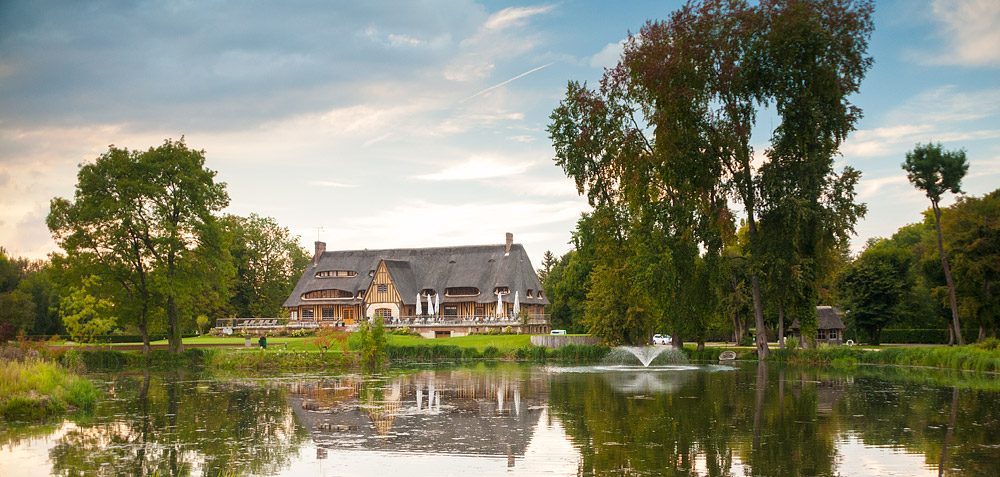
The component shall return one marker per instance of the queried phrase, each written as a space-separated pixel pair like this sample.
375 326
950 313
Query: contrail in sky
491 88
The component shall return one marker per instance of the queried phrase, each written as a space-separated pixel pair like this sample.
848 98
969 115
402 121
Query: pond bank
33 388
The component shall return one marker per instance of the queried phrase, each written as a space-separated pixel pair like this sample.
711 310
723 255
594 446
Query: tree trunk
951 335
174 329
982 334
143 331
677 341
758 311
781 326
947 275
701 345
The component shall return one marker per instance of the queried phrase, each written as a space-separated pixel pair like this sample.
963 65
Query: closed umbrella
430 305
420 310
499 304
517 304
437 303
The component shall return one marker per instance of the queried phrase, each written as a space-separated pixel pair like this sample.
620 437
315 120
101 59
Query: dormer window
501 291
540 294
336 273
529 292
428 292
461 291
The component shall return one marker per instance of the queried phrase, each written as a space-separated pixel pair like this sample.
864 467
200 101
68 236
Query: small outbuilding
829 326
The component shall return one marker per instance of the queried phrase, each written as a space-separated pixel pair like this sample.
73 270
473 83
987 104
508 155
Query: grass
480 342
36 389
971 358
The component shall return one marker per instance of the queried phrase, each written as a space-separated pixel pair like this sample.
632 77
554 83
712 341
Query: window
821 334
371 273
451 310
383 288
428 292
383 312
330 293
327 312
540 294
529 292
480 310
361 293
833 334
501 291
461 291
307 312
293 314
336 273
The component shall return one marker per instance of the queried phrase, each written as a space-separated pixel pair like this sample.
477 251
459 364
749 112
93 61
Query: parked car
661 339
557 332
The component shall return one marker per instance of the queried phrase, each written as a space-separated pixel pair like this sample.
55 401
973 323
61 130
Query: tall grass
972 358
36 389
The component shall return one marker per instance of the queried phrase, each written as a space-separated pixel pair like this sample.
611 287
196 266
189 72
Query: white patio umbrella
517 304
420 310
499 304
430 306
437 303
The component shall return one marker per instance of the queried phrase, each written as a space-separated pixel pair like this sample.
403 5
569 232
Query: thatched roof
414 269
828 319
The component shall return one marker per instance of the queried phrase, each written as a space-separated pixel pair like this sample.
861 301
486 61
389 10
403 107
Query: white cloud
477 168
522 138
332 184
972 29
403 40
513 16
608 56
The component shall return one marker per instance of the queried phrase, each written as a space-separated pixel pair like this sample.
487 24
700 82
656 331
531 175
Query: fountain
624 355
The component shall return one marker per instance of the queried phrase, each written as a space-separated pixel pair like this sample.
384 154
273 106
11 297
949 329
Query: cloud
941 115
513 16
608 56
477 168
332 184
970 27
522 138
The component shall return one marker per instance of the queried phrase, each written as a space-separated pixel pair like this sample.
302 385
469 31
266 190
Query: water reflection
476 412
747 419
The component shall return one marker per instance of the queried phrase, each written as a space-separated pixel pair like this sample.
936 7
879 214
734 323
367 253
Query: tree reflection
170 425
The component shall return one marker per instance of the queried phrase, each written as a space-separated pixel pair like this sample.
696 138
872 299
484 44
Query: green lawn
480 342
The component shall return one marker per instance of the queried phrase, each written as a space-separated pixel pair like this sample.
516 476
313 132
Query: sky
418 123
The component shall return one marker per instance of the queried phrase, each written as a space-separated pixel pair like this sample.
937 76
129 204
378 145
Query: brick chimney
320 248
510 241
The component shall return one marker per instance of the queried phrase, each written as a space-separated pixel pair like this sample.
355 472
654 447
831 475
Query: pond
506 419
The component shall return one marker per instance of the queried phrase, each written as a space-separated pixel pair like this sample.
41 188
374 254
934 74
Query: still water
743 419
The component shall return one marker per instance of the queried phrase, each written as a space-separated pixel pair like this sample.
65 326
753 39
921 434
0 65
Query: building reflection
454 412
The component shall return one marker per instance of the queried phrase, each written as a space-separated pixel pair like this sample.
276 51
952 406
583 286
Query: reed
36 389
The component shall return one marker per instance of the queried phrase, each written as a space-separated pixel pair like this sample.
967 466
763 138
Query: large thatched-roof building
478 283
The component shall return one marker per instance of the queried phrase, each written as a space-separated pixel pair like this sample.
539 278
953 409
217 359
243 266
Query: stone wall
558 341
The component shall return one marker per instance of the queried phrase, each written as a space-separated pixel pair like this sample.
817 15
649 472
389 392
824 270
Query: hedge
923 336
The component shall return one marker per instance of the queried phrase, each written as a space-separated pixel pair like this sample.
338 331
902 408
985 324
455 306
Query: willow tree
667 135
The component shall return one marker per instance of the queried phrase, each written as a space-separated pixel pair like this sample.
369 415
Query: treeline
900 283
145 250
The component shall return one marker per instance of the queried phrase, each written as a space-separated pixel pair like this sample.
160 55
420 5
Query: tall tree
143 221
666 138
268 260
936 171
548 261
972 226
875 285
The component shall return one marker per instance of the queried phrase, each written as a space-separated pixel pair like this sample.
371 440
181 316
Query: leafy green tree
972 226
268 260
143 220
664 144
373 340
875 286
85 315
936 171
17 314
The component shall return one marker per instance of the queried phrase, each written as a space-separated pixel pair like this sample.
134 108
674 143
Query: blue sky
409 124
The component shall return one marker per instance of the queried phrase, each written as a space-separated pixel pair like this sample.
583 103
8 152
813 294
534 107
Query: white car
661 339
